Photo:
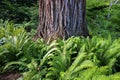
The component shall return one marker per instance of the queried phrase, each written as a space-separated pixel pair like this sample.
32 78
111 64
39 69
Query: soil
12 75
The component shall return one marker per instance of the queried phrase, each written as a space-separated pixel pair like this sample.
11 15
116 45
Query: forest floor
12 75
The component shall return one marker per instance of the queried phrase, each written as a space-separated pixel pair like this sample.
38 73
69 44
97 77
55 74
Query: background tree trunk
61 19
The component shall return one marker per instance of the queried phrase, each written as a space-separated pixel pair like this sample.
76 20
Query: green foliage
92 53
8 29
77 58
92 4
20 12
13 42
103 17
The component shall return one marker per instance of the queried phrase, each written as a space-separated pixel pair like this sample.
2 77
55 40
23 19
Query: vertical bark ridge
61 19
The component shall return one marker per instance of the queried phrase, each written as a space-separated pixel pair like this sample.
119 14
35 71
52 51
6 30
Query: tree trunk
61 19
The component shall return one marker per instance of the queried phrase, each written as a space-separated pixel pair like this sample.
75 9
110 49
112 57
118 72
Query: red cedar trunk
61 19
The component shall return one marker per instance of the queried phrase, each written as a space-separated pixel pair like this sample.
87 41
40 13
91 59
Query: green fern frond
13 63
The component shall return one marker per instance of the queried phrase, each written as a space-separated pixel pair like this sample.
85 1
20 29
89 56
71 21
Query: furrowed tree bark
61 19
